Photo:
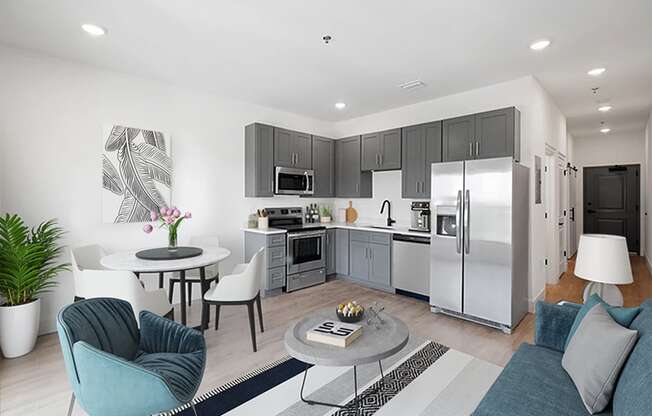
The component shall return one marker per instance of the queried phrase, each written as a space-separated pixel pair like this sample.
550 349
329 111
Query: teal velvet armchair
115 368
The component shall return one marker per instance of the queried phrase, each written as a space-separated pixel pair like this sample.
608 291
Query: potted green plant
326 214
28 268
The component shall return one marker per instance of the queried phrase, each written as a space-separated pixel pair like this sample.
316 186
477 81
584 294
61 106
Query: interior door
572 202
447 186
611 202
487 239
561 215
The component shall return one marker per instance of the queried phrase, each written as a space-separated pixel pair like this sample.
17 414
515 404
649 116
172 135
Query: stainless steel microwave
290 181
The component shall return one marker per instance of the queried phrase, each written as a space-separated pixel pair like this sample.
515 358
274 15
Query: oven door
294 181
305 251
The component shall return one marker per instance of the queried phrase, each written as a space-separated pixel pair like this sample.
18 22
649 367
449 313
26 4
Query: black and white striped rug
425 378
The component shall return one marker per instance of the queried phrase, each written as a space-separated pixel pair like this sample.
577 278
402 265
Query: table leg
315 402
182 290
205 308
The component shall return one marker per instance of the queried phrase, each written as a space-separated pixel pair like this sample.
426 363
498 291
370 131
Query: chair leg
171 292
260 313
217 316
252 324
189 294
71 406
160 280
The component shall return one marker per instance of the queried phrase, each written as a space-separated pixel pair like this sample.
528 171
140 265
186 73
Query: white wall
601 150
52 114
541 123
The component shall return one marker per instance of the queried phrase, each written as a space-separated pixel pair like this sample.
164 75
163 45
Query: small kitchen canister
263 223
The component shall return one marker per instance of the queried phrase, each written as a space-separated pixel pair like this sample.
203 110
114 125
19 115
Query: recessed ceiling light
93 30
604 107
340 106
540 44
605 130
595 72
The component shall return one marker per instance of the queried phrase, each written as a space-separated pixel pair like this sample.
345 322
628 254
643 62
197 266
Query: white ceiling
270 52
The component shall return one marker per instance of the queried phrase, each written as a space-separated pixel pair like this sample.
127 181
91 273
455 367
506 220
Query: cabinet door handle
477 148
470 149
381 159
357 187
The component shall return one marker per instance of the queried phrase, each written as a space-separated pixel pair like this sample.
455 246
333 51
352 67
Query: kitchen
383 256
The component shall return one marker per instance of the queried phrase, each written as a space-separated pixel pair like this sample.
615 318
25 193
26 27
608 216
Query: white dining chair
192 276
241 287
93 281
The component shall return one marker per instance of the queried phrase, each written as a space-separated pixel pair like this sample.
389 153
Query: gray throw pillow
595 356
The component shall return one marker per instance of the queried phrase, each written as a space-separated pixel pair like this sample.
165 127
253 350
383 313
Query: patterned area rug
425 378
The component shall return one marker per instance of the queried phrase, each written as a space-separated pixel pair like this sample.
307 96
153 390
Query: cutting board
351 213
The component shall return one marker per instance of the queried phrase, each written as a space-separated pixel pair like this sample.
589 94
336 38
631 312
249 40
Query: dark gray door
342 251
458 139
390 149
283 148
494 134
371 151
347 152
611 202
323 163
379 264
259 160
302 147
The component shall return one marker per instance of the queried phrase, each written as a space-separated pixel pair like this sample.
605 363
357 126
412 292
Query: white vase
263 223
19 328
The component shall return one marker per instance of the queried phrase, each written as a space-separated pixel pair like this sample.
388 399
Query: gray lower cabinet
259 160
381 150
331 254
370 257
421 146
342 251
323 163
292 149
481 136
350 181
273 273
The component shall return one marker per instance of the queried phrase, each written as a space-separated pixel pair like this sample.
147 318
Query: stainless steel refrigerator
479 241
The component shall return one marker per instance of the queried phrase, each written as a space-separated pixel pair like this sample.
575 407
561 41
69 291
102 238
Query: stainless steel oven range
306 247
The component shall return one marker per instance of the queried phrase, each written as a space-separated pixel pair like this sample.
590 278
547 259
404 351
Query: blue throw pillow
624 316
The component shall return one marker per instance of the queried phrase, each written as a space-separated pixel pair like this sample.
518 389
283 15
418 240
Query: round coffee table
378 341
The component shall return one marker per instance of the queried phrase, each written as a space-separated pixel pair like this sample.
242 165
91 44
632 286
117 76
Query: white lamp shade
603 258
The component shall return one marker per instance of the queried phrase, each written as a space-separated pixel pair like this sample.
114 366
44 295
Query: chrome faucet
390 221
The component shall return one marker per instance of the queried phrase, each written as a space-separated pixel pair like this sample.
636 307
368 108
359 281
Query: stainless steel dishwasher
411 265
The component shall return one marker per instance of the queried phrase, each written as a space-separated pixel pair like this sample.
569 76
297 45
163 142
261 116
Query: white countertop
354 226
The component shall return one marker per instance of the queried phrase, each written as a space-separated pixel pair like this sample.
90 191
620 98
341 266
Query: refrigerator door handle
458 215
467 237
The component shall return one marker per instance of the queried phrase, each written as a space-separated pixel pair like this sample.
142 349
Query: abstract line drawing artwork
136 174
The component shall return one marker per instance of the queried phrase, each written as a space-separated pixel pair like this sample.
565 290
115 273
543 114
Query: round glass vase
172 240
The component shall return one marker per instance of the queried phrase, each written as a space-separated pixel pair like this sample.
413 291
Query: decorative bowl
349 319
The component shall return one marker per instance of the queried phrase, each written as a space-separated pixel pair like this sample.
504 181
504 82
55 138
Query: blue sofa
115 368
534 383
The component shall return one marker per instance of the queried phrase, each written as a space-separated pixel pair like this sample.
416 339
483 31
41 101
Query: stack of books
335 333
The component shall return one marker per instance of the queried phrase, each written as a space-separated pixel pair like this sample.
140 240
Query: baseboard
533 302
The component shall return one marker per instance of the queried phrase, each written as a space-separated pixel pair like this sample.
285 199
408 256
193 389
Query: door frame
579 211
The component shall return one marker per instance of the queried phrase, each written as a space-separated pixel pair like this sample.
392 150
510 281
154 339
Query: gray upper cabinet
350 181
323 163
421 146
259 160
458 138
292 149
482 136
498 133
382 150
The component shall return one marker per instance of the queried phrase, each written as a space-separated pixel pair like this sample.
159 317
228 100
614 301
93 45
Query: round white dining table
127 260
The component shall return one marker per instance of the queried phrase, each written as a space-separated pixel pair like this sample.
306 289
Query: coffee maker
420 216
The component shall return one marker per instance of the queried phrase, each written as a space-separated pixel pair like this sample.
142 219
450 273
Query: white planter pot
19 328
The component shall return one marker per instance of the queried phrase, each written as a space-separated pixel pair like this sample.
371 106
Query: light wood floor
37 383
